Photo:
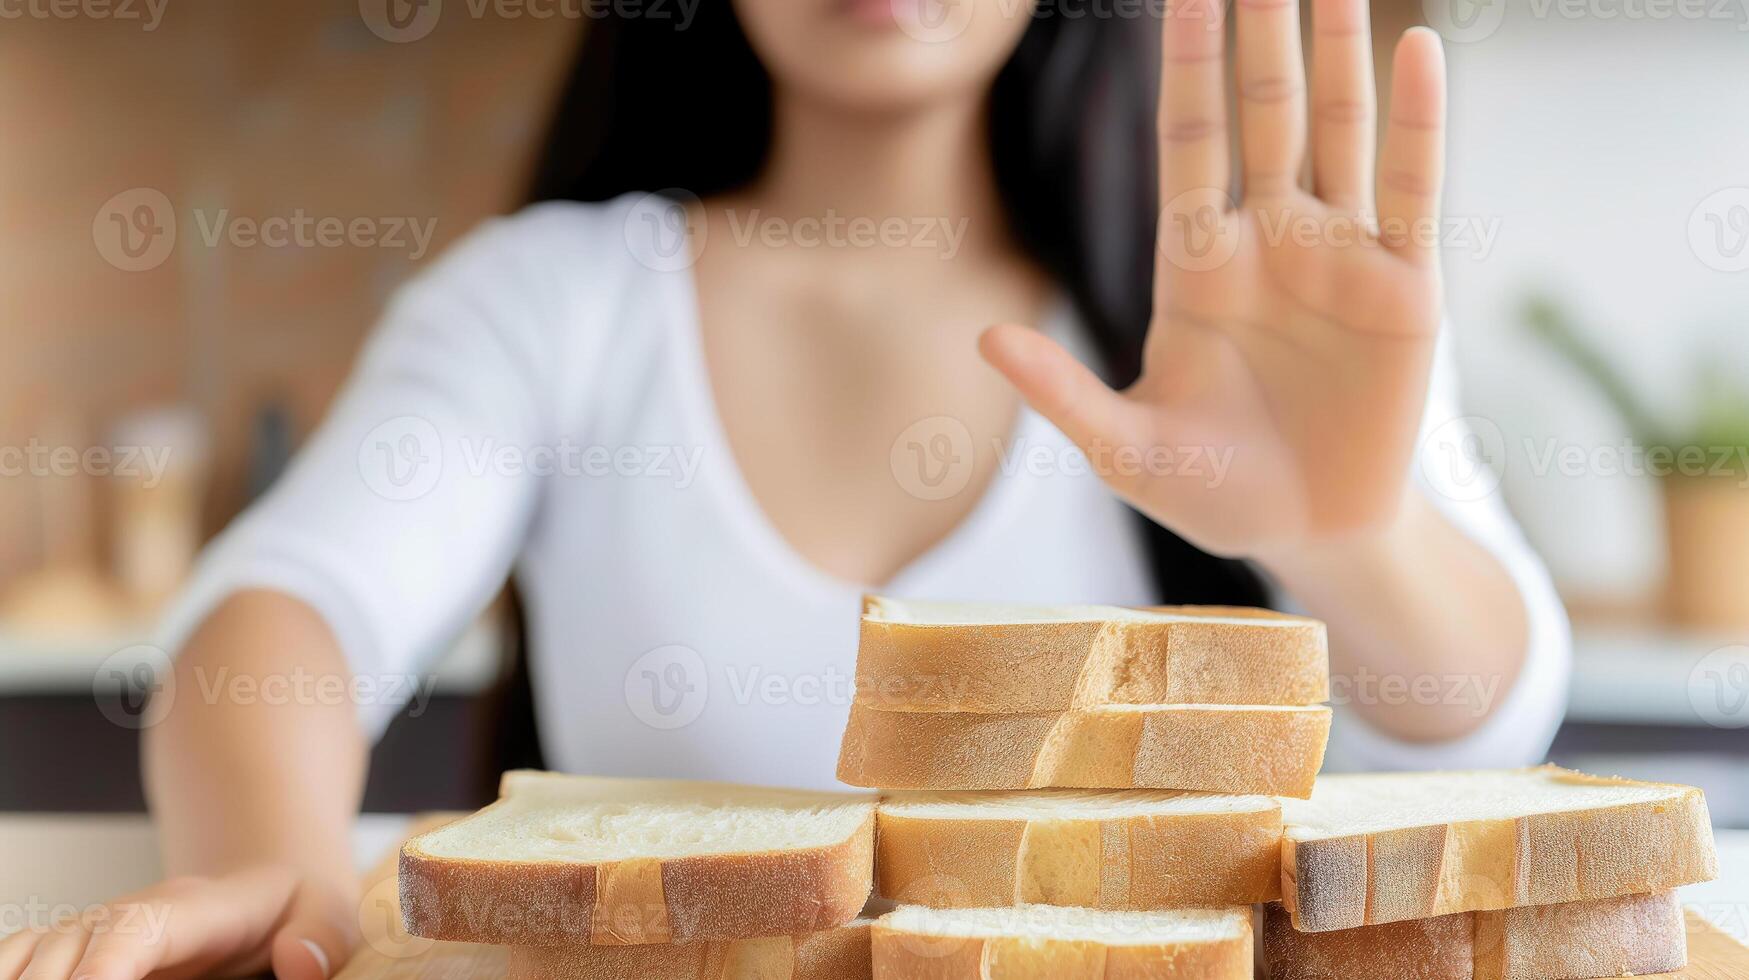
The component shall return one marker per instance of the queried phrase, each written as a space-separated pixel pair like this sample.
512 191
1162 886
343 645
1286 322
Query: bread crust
1140 862
1007 668
1590 854
680 900
1266 751
829 954
900 955
1632 935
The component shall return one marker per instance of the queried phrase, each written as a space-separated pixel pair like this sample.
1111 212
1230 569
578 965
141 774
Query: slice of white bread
840 953
1384 848
1044 942
999 658
1633 935
1259 749
574 859
1126 849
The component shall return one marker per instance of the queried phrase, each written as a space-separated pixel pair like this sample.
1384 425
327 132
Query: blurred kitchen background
1597 270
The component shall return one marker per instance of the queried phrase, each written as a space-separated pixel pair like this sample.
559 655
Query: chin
883 55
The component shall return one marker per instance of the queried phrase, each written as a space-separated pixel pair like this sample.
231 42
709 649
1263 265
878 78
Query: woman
828 427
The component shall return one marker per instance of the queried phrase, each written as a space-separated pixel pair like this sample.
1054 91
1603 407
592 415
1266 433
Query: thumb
1064 390
311 945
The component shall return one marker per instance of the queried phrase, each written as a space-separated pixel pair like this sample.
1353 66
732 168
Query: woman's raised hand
1287 362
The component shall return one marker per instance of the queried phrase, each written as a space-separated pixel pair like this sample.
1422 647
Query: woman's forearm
1428 632
257 762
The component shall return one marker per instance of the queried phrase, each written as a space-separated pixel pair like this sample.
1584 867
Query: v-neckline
747 516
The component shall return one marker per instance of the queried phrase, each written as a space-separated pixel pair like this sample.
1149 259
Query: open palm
1287 362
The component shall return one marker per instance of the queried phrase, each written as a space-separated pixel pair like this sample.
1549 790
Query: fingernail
316 951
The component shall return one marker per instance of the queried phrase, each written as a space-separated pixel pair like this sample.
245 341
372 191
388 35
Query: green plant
1720 426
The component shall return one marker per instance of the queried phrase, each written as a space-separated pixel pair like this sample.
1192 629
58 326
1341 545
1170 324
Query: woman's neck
917 164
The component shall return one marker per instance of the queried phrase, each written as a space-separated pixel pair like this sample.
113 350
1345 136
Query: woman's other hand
231 925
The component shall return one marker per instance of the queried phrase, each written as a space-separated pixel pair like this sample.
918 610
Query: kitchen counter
38 665
52 859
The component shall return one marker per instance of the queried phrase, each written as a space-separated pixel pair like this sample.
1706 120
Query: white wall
1592 140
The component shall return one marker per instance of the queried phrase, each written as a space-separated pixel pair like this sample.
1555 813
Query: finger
125 953
1412 165
187 927
309 948
1272 95
57 953
15 952
1063 390
1193 101
1344 103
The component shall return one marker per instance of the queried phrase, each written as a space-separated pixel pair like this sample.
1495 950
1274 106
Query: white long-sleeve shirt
537 402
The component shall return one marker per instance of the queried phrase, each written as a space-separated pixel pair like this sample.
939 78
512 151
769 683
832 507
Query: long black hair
650 106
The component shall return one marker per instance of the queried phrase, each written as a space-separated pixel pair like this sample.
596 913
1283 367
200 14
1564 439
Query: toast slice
829 954
1043 941
1133 850
1630 936
564 860
1271 750
998 658
1371 849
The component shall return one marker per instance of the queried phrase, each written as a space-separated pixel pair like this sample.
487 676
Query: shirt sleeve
401 516
1456 467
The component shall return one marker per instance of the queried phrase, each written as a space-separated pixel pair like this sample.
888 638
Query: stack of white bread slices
1086 793
1532 874
1001 697
1080 791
